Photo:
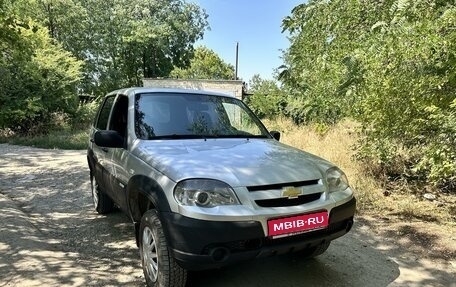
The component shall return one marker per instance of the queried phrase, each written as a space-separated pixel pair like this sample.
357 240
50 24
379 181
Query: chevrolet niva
206 184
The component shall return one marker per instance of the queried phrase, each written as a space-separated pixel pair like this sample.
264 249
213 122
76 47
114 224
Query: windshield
181 115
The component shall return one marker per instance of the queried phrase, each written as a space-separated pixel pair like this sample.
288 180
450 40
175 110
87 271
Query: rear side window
103 116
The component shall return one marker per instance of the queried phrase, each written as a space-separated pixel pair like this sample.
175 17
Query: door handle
104 149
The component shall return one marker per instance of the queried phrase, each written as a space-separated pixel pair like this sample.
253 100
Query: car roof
140 90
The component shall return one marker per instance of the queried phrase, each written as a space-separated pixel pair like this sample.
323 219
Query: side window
103 116
119 116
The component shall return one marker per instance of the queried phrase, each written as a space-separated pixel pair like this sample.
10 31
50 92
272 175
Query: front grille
285 201
282 185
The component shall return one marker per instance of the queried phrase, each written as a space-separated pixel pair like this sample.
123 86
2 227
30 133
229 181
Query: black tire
160 269
317 250
103 204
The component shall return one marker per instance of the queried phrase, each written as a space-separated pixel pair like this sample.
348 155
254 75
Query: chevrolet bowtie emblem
291 192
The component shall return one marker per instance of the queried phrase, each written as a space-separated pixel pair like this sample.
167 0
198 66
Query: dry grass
337 144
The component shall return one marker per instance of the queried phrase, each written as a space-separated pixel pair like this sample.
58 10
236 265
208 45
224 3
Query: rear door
100 153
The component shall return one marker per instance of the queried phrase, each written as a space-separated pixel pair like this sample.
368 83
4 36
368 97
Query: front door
100 154
118 178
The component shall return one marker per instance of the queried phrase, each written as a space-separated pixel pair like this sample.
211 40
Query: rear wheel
160 269
102 203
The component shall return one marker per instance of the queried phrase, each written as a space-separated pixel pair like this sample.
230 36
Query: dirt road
50 236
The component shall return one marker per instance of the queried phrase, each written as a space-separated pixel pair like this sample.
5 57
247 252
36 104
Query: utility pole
237 61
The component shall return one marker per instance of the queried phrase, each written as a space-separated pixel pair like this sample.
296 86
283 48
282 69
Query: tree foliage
205 64
392 65
268 100
121 41
54 50
37 77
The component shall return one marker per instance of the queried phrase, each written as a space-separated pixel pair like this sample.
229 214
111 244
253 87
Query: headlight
336 179
204 193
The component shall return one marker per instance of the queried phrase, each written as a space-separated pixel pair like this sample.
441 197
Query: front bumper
199 244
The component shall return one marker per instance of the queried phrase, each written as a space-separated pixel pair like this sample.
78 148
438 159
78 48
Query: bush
439 154
268 100
37 80
321 110
409 103
393 69
84 115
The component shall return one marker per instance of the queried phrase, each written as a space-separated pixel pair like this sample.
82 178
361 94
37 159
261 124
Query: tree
321 69
122 41
268 100
205 64
118 41
392 65
407 99
37 77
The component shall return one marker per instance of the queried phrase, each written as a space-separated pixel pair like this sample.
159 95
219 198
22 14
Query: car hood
238 162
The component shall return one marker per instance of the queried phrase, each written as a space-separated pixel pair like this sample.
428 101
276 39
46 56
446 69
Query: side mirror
275 135
108 139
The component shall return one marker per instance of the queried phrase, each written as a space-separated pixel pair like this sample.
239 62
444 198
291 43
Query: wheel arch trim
148 188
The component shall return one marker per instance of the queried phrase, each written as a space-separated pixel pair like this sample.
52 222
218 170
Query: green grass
62 139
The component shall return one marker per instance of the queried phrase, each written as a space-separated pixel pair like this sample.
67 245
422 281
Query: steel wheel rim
95 192
150 256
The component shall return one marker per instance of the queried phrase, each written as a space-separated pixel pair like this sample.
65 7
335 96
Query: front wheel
102 203
160 269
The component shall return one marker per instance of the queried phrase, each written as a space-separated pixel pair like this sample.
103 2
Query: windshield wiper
206 136
236 136
176 137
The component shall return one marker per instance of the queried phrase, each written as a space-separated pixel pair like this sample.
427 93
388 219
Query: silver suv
207 185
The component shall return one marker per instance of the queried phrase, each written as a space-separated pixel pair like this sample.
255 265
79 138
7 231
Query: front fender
144 193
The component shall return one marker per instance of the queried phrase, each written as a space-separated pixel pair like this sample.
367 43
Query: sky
256 25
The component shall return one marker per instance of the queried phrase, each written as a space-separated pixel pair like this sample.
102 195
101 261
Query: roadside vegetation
391 66
377 196
55 139
53 53
388 66
62 131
